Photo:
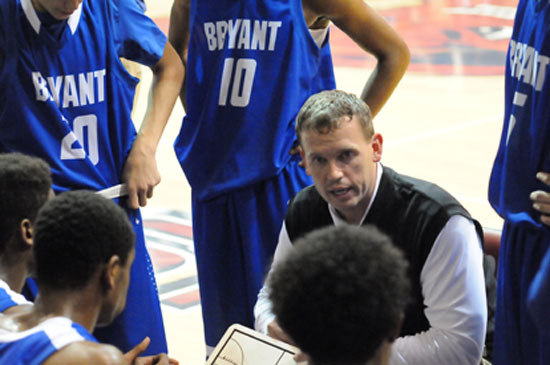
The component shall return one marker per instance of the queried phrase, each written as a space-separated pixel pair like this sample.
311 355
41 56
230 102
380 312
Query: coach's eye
319 160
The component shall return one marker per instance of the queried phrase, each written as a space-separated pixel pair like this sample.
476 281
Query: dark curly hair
75 233
340 293
25 184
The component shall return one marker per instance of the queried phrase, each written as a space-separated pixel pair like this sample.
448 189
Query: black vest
412 212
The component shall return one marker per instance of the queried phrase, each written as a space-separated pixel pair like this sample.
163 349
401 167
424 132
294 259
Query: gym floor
442 124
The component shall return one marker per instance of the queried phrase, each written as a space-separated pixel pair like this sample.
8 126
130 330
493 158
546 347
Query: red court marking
169 227
184 299
162 259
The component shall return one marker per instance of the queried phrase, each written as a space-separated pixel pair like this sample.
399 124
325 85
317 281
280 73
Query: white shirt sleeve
262 309
453 287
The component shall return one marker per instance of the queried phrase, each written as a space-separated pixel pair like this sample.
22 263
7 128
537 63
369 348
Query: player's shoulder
87 352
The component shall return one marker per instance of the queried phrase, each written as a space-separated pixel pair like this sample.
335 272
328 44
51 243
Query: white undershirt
453 287
319 35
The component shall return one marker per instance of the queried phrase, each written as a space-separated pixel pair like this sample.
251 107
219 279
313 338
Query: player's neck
14 273
80 306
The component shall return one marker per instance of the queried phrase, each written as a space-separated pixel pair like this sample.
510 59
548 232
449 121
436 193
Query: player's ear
26 233
111 272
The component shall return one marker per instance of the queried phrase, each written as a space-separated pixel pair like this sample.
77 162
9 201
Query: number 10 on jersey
240 77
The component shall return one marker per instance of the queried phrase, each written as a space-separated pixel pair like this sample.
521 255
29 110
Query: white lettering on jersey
527 65
242 34
233 28
40 86
69 92
78 90
86 82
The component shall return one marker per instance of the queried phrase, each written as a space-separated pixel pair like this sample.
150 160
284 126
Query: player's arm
453 287
140 171
178 35
373 34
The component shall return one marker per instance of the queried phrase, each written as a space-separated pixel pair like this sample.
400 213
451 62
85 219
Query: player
25 185
84 248
66 97
356 314
250 66
518 189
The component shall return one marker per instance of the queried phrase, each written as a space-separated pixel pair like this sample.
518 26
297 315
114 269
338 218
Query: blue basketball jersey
69 99
251 66
525 142
9 298
35 345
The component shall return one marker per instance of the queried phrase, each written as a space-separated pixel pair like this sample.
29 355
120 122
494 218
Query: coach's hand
140 173
275 331
541 199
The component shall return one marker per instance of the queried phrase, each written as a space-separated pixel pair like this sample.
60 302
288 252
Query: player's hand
140 173
541 199
132 356
160 359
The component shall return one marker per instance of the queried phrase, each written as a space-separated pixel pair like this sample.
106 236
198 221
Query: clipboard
241 345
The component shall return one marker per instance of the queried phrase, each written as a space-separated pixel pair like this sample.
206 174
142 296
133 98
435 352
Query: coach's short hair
323 112
75 233
25 184
340 293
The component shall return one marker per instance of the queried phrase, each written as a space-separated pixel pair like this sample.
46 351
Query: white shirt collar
30 13
338 220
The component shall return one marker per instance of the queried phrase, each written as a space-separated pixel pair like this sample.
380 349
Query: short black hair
75 233
25 184
340 293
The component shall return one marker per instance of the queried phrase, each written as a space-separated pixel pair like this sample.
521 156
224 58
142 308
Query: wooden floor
442 124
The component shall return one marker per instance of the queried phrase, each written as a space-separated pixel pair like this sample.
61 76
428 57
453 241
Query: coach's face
59 9
342 164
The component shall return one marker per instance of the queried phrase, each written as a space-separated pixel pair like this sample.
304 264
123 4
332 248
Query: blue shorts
518 338
538 300
235 236
142 316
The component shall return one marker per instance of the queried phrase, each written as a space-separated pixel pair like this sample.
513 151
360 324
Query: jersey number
81 124
243 78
